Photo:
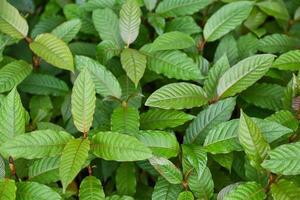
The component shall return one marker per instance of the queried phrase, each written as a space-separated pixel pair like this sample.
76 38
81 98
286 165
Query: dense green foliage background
149 99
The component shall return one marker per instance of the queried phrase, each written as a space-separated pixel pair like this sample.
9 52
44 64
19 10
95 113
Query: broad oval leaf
246 191
278 43
91 189
203 186
53 50
226 19
177 96
288 61
285 190
119 147
125 120
126 179
67 30
186 195
7 189
83 101
164 190
184 24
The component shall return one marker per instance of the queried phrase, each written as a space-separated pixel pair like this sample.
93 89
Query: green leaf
43 84
173 64
12 74
246 191
208 118
46 25
164 190
12 117
83 101
53 50
11 22
214 74
184 24
45 170
161 119
37 144
284 159
130 21
125 120
161 143
106 50
67 30
119 147
244 74
177 96
252 140
95 4
91 189
285 118
225 160
226 19
278 43
134 63
7 189
285 190
172 8
274 8
172 40
288 61
158 23
167 169
228 46
32 190
106 23
126 179
105 82
186 195
72 159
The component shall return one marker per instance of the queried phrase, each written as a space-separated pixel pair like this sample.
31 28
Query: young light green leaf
285 190
72 159
32 190
67 30
288 61
246 191
91 189
12 117
37 144
53 50
244 74
130 21
12 74
119 147
172 40
83 101
252 140
161 119
161 143
11 22
105 82
126 179
177 96
164 190
226 19
125 120
134 63
207 119
7 189
284 159
186 195
167 169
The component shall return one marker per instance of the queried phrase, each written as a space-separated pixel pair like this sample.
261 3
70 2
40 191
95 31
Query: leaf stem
12 168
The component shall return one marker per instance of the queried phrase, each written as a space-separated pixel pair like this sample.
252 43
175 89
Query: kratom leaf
119 147
150 4
125 120
67 30
43 84
177 96
11 22
285 189
83 101
91 189
275 8
226 19
202 187
158 23
72 159
161 119
162 144
12 74
278 43
288 61
252 140
172 40
167 169
53 50
105 82
284 159
228 46
46 25
37 144
32 190
172 8
246 191
106 50
226 190
284 117
7 189
184 24
12 117
126 179
208 118
134 63
95 4
186 195
164 190
244 74
130 21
